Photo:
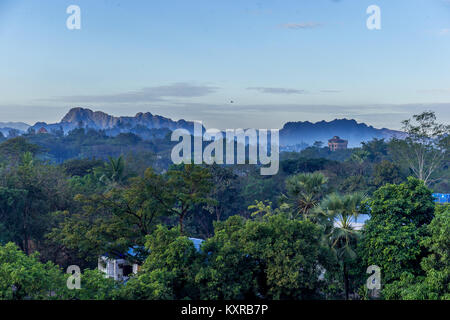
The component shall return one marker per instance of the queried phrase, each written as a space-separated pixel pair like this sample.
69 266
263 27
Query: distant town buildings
337 143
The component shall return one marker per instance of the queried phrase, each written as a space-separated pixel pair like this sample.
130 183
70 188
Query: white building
118 269
121 269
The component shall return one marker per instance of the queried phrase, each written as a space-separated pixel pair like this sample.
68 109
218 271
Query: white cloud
277 90
148 94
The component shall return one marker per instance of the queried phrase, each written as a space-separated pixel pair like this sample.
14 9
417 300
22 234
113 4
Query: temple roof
337 139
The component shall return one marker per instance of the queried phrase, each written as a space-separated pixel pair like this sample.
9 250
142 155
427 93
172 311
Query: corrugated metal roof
442 197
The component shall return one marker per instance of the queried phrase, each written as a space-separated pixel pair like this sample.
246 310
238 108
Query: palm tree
344 211
359 157
113 174
304 193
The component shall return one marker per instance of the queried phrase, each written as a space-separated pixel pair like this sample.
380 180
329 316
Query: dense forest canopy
67 199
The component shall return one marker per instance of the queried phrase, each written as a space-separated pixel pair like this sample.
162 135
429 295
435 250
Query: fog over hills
15 125
348 129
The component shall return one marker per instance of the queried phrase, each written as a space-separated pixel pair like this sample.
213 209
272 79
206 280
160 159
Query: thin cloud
444 31
330 91
277 90
148 94
435 91
301 25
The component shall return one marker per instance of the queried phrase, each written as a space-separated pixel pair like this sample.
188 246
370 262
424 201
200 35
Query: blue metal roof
442 197
197 243
133 251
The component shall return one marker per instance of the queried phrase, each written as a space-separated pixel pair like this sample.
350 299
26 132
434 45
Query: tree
425 148
344 211
377 149
289 255
169 271
29 192
435 284
114 221
223 190
113 174
12 149
230 271
81 167
304 192
189 186
270 258
392 237
94 286
24 277
386 172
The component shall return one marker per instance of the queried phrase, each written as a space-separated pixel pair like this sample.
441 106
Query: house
337 143
122 269
42 130
118 268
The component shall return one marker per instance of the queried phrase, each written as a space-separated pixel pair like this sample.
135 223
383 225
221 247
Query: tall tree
344 211
29 192
425 148
188 186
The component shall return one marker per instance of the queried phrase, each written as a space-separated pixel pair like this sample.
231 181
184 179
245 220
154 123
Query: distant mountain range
292 133
98 120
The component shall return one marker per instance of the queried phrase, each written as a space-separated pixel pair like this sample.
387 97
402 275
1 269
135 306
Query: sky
228 63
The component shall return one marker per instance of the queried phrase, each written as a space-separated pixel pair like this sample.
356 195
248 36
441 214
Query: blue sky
277 60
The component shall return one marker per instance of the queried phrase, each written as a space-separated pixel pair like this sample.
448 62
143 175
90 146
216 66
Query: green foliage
288 236
386 172
94 286
81 167
24 277
229 272
29 191
112 222
188 186
304 192
392 237
13 149
425 149
343 211
169 270
296 164
273 258
435 284
377 149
